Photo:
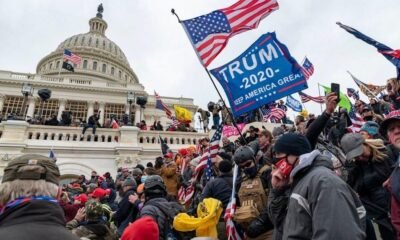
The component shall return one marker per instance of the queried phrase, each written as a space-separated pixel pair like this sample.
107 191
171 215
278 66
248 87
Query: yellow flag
182 114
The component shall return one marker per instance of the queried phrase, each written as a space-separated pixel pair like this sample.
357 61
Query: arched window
120 74
126 77
85 62
104 68
97 42
112 71
90 41
94 65
82 40
104 44
50 66
57 64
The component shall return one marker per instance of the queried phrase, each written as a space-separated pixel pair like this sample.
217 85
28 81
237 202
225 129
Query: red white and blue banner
264 73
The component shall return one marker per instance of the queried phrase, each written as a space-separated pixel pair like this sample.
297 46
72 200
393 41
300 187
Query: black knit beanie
225 166
292 144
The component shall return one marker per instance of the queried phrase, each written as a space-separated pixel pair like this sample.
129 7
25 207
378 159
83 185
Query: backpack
253 198
170 210
208 114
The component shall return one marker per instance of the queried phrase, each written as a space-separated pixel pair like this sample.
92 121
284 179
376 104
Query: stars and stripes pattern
185 194
274 113
352 93
209 33
160 105
209 171
370 90
356 120
231 231
212 150
306 98
73 58
307 68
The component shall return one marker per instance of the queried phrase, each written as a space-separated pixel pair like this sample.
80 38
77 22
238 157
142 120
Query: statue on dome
100 10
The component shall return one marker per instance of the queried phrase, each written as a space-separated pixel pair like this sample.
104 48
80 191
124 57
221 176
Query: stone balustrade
32 78
126 136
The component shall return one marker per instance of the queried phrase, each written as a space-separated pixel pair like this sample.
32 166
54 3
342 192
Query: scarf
24 200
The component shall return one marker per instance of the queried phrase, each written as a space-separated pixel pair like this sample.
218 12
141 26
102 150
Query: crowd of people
319 178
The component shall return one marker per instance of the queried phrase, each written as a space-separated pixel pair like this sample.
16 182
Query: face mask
143 179
284 167
251 172
368 118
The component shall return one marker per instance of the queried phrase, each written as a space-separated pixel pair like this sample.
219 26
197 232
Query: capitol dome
101 57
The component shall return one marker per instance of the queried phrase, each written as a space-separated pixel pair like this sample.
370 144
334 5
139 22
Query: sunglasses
247 164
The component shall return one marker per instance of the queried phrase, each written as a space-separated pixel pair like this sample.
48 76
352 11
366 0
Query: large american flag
211 152
274 113
356 120
307 68
75 59
209 33
306 98
231 231
160 105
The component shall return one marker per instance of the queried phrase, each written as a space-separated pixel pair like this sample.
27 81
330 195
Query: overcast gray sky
161 55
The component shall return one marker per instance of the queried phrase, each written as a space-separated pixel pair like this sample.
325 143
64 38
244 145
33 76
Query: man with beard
390 128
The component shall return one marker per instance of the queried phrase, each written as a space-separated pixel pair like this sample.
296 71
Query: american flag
75 59
306 98
356 120
231 231
307 68
185 194
209 33
352 93
160 105
274 113
211 152
209 170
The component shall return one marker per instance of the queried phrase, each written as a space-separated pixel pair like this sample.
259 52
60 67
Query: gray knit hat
130 182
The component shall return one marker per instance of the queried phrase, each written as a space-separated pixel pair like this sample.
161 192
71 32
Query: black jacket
219 188
35 220
126 210
367 179
161 210
316 127
93 119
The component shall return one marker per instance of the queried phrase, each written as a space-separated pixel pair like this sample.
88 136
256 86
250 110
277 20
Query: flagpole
215 86
62 60
319 93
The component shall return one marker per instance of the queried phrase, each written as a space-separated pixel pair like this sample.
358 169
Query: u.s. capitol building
100 83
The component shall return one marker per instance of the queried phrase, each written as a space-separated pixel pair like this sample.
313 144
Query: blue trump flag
264 73
294 104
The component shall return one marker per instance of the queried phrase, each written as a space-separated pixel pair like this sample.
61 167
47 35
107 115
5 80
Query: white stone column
127 108
61 108
101 109
31 107
2 99
137 114
90 110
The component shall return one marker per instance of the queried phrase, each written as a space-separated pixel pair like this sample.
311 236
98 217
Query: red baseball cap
98 193
169 155
82 198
